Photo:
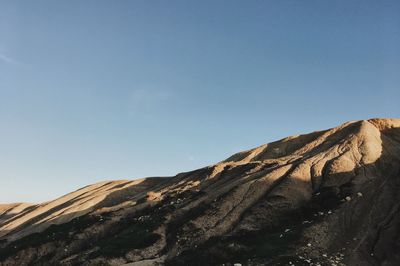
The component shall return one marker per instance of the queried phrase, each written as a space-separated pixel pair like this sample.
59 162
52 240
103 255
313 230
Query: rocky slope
326 198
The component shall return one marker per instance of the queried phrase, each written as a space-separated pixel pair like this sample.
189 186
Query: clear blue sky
95 90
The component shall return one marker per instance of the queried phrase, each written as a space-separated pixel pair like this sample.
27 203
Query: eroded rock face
329 197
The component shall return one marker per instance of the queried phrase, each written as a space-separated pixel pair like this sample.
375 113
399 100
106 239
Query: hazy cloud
6 59
148 99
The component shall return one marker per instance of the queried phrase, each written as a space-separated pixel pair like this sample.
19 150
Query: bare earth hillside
326 198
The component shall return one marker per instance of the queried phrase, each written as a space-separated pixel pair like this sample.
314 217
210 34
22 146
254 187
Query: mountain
326 198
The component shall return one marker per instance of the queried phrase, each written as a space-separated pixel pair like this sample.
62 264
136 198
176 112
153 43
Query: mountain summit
326 198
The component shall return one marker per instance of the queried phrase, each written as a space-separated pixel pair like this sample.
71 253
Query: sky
103 90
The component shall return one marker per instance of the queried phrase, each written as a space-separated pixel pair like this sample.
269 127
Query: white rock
359 194
348 198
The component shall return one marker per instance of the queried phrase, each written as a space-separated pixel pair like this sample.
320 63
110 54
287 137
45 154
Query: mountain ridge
238 210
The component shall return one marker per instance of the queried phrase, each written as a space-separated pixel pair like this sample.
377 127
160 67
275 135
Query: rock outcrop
325 198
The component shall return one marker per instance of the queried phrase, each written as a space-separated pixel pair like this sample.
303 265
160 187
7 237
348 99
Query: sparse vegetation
132 232
51 234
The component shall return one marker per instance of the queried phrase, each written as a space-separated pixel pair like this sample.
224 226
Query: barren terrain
326 198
